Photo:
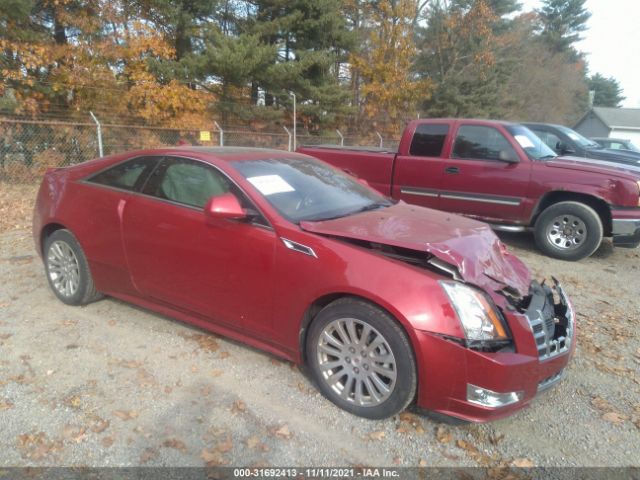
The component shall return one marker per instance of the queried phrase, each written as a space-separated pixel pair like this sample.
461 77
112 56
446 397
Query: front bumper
537 364
626 232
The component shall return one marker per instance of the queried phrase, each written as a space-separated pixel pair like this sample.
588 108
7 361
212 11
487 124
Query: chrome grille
545 332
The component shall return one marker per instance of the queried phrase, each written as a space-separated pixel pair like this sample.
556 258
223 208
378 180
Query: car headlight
478 317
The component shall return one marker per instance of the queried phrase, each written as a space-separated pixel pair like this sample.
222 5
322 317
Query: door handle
452 170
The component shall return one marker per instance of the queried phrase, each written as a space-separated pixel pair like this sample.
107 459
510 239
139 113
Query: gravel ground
113 385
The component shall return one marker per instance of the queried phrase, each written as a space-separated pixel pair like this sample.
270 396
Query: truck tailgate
374 166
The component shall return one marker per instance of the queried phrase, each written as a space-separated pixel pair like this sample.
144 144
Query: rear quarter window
428 140
124 175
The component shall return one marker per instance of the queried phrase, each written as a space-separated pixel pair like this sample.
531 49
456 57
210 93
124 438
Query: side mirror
225 206
508 156
563 148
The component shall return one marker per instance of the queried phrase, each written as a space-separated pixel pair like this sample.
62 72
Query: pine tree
608 92
562 22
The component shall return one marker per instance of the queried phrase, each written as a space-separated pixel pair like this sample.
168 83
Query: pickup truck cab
502 173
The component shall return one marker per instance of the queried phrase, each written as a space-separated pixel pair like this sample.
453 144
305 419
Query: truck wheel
361 359
568 231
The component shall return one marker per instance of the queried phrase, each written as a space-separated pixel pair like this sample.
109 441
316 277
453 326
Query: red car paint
240 280
498 192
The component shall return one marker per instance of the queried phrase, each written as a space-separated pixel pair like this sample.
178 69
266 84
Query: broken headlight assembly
482 323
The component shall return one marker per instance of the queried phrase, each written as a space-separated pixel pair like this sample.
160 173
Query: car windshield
531 143
306 189
579 139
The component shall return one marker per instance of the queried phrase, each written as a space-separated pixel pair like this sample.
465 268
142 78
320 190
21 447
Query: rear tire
67 269
361 359
568 231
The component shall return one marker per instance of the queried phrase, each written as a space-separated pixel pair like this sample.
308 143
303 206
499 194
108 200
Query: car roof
228 154
541 124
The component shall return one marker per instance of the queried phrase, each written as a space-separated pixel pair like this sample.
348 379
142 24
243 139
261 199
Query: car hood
625 170
468 245
614 155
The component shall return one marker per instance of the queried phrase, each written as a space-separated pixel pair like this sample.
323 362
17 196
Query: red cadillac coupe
386 303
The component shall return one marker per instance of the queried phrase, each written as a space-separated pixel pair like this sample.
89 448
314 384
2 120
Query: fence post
221 133
341 137
288 133
99 131
380 137
295 121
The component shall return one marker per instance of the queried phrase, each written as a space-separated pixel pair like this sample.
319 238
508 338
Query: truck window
479 142
428 140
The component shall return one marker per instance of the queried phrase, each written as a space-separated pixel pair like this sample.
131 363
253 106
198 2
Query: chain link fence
29 147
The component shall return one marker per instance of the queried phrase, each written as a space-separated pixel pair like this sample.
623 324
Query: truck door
417 176
485 175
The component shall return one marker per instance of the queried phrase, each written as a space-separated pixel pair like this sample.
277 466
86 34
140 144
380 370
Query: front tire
568 231
67 269
361 359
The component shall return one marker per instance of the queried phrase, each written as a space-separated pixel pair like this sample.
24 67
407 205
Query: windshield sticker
270 184
524 141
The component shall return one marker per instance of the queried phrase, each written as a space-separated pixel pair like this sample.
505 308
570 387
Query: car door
484 176
417 176
220 269
106 192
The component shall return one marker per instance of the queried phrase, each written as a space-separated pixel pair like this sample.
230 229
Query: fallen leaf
443 435
175 443
168 389
216 373
422 463
126 414
107 442
226 446
522 463
205 342
205 391
283 432
615 417
73 401
377 435
252 442
238 406
5 405
224 355
148 454
212 458
36 446
99 425
5 336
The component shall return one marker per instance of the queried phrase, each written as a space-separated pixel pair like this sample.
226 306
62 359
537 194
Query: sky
611 43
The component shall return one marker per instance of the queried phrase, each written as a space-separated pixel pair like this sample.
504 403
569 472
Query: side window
479 142
186 181
428 140
552 140
126 175
193 183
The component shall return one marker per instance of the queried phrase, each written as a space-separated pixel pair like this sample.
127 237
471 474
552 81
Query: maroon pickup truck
503 174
